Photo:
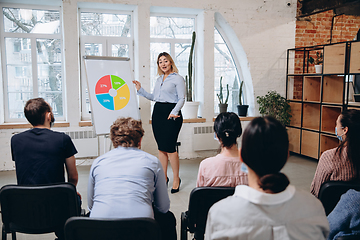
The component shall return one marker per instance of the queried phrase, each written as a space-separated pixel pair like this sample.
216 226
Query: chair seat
37 209
81 228
200 201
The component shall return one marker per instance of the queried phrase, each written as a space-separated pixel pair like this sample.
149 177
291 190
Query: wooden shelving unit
317 99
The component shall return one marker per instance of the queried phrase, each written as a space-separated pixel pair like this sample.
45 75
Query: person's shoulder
22 134
307 198
328 155
177 76
329 152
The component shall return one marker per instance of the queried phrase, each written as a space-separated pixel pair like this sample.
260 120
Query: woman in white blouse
269 208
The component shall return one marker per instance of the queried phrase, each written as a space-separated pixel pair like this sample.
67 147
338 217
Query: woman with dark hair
169 95
343 162
225 168
127 182
269 208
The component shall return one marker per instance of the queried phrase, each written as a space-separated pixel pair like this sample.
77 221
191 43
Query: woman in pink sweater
225 169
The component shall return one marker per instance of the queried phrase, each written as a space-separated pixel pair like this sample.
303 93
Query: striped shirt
331 167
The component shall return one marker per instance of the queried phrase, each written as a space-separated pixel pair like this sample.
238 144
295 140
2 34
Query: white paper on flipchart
95 69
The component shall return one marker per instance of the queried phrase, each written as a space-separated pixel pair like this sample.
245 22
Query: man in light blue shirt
127 182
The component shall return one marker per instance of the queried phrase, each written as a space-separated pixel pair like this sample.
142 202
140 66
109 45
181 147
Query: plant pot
318 68
190 110
357 97
223 107
242 110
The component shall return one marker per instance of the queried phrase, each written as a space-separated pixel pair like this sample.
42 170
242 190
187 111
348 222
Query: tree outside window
33 62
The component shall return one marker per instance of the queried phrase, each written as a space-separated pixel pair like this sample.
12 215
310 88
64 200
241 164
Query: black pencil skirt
165 131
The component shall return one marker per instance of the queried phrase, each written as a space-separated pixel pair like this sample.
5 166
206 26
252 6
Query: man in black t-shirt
40 153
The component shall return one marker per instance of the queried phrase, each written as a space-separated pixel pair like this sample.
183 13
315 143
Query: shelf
328 118
317 99
328 142
355 104
334 59
310 144
294 139
311 116
333 89
295 88
355 57
295 62
295 119
312 88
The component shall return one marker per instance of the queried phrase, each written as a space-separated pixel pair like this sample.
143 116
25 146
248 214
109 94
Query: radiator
85 142
203 138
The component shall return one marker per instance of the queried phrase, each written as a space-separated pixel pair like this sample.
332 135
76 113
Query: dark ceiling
347 7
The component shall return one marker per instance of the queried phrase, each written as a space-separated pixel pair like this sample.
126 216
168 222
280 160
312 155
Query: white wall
265 29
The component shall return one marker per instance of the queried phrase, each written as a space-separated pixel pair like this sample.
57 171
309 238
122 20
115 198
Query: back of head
35 110
126 132
264 149
227 127
351 119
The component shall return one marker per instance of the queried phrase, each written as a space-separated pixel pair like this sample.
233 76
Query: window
225 67
103 34
32 43
171 35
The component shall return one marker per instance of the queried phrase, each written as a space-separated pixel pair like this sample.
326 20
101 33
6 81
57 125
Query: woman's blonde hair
169 58
126 132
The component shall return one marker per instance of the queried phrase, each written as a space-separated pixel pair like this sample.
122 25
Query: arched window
225 69
230 63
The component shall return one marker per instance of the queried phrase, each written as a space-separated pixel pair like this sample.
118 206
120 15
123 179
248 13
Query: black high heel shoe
167 181
177 189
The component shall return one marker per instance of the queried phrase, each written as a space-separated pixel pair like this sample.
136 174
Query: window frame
107 42
172 42
34 63
234 58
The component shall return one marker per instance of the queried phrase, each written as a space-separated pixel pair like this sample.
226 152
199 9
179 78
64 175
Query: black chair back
81 228
330 193
200 201
37 209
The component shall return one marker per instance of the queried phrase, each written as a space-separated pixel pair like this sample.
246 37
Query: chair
201 199
330 193
80 228
37 209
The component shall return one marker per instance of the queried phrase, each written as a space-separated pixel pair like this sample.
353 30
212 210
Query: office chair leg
3 233
13 235
183 227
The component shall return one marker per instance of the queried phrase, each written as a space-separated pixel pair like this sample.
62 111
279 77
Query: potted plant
223 104
317 61
242 109
274 105
190 108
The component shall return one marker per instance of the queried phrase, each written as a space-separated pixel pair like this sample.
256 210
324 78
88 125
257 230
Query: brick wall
316 30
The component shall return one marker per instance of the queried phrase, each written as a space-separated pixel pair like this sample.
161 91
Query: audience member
341 163
127 182
344 220
40 153
225 168
269 208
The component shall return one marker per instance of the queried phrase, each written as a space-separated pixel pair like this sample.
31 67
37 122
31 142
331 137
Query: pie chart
112 92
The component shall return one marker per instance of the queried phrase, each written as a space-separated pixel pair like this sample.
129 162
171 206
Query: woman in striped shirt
341 163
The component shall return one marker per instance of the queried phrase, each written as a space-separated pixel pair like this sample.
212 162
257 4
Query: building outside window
225 67
103 34
32 61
